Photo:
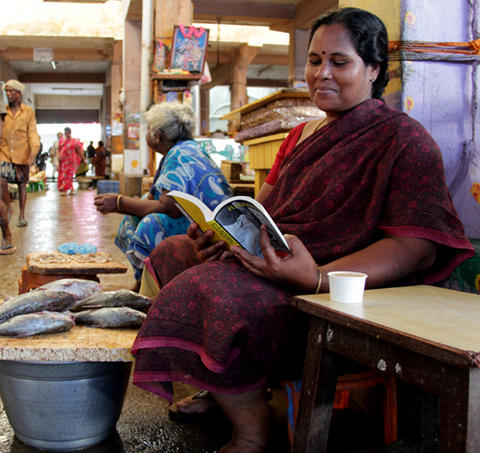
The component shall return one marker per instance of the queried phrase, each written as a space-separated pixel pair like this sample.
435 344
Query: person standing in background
7 247
90 152
54 153
19 145
100 160
70 155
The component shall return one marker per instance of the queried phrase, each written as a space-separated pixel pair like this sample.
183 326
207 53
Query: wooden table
426 336
37 273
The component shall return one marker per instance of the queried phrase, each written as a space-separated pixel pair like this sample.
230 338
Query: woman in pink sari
70 154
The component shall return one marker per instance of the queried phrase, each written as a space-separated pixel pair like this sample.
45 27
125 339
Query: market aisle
54 220
144 425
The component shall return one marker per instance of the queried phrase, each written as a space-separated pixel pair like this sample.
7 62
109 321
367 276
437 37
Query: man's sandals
7 249
197 408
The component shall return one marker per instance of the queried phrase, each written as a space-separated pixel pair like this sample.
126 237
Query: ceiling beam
60 54
221 75
260 58
307 11
242 12
62 77
273 83
74 1
133 9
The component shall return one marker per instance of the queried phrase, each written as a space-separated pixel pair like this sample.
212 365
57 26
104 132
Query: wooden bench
37 273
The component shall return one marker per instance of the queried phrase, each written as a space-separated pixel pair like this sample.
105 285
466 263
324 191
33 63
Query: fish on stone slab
35 301
118 298
78 287
111 317
43 322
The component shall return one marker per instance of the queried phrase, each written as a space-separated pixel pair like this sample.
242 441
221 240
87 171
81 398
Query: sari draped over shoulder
371 173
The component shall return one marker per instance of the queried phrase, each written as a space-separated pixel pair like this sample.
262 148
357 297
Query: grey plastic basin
63 405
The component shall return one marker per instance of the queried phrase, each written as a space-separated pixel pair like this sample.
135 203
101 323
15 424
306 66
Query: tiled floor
144 425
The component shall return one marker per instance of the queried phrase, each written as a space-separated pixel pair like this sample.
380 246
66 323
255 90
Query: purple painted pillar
444 96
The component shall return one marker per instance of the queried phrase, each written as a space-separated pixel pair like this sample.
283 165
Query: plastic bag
72 248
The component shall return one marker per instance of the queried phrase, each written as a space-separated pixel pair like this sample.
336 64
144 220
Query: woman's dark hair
369 37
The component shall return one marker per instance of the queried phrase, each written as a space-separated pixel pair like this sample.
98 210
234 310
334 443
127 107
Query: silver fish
35 301
78 287
42 322
119 298
121 317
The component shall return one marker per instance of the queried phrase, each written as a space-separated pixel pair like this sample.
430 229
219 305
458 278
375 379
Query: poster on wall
131 161
132 129
189 48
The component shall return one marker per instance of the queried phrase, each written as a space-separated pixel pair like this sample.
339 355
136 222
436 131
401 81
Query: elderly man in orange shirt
19 146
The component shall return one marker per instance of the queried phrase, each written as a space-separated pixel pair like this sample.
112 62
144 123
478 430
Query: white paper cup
346 286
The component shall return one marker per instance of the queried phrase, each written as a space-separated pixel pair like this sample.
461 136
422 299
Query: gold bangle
118 202
319 284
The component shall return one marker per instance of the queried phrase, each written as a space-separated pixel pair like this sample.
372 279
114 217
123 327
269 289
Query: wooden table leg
318 393
260 176
460 412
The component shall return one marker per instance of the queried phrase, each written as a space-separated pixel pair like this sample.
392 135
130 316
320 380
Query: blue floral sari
187 168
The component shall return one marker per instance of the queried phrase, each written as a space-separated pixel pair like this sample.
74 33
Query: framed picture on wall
160 56
189 48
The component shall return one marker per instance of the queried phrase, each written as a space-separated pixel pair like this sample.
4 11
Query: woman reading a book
185 167
363 191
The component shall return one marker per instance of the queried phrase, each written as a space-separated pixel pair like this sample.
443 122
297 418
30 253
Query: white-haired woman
185 167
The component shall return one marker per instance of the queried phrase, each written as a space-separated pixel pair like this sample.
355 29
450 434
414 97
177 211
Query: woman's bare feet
251 419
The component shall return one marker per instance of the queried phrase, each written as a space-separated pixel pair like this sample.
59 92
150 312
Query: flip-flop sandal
22 223
176 415
8 250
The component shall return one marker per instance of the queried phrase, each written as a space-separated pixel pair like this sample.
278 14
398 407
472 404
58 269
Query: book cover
236 220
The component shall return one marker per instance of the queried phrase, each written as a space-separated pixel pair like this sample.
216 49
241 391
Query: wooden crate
231 170
262 152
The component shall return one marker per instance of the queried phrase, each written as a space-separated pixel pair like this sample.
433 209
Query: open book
236 220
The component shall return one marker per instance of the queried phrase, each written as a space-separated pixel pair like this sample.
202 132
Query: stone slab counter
79 344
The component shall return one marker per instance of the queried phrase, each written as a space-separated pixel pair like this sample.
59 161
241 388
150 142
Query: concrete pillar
239 97
204 111
131 67
7 71
170 13
145 82
116 113
167 14
297 57
131 107
391 14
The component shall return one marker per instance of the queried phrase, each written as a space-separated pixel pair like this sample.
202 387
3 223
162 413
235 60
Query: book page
192 208
243 219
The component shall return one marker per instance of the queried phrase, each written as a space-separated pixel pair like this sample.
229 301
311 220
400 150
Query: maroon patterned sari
375 171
